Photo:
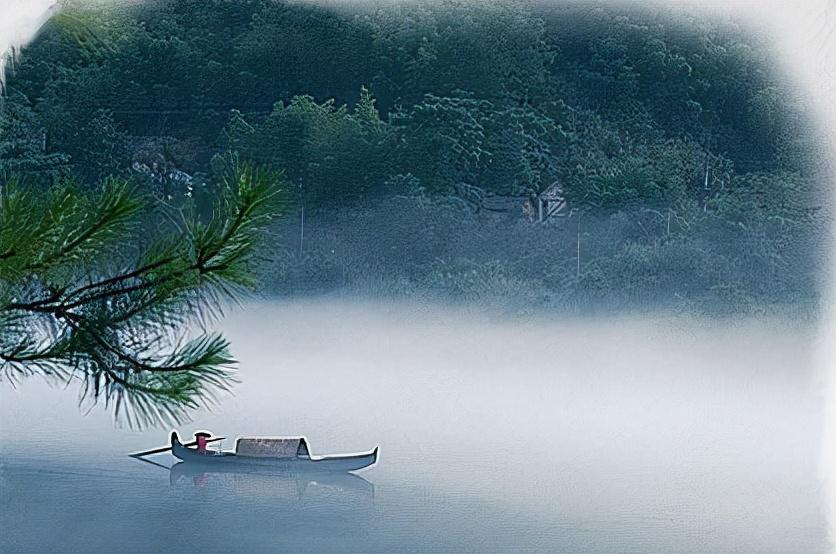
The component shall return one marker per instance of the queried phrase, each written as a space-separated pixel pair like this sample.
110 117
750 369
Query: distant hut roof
270 448
551 202
553 192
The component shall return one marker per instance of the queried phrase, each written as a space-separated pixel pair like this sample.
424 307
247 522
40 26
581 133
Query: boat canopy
272 448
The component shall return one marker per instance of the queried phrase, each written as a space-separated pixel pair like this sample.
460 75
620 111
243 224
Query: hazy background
653 391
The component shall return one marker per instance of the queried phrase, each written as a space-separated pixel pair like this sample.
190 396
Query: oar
167 448
150 462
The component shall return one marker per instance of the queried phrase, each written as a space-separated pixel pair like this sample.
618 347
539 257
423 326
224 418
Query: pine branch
104 283
109 328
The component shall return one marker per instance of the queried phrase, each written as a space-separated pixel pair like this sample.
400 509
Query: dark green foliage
687 157
23 143
454 142
85 296
332 154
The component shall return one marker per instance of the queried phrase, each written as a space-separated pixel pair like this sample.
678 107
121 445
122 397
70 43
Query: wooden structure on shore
551 202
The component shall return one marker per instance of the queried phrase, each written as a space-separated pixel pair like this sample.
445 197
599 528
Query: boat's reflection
266 481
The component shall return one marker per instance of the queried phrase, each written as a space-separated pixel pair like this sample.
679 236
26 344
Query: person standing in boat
200 438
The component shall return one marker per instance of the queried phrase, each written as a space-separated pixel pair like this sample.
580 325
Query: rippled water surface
496 434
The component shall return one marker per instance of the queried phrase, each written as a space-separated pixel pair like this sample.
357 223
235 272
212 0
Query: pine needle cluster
86 296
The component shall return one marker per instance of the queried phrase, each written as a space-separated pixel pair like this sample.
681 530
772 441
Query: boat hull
348 462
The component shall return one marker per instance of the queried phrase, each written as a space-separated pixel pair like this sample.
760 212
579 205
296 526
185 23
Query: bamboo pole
579 245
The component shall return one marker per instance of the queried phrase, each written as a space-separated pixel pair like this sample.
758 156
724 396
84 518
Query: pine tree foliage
80 301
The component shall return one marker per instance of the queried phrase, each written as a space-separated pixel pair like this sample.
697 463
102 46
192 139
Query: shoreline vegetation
516 267
416 138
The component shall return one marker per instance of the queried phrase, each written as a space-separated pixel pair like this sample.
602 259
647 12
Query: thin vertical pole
579 244
302 230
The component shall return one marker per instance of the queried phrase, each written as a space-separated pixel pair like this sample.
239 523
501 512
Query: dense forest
415 140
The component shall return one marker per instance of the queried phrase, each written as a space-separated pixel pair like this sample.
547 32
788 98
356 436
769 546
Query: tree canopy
692 159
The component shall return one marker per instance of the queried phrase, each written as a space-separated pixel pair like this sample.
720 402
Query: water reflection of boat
279 454
265 480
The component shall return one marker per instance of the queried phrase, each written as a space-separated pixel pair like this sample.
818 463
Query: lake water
496 434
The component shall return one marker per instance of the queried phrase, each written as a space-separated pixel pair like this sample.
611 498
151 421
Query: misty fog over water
496 433
604 379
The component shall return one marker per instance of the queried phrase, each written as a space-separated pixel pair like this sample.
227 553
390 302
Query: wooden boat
283 454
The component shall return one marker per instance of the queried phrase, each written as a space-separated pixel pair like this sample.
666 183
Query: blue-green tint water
497 434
